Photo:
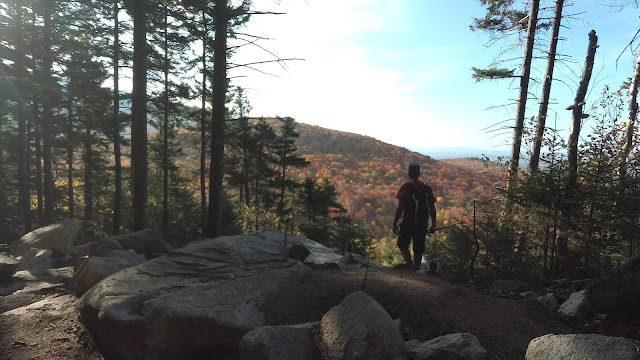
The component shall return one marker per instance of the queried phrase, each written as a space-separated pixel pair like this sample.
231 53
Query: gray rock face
290 342
320 254
96 268
577 309
143 242
97 248
580 347
505 287
359 328
212 290
461 346
59 238
298 252
36 261
549 301
8 267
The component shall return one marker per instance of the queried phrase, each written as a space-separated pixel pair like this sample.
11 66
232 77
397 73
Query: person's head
414 170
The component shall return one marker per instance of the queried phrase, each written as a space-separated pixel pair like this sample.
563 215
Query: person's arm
399 210
432 208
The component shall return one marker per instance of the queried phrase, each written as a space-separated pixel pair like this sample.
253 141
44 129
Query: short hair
414 170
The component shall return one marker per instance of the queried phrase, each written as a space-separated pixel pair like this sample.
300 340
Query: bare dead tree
578 115
546 89
633 117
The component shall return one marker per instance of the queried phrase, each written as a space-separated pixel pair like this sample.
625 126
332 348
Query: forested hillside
368 173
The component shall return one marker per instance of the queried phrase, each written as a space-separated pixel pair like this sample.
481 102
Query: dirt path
39 320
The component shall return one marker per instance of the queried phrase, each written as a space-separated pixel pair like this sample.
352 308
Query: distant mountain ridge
442 153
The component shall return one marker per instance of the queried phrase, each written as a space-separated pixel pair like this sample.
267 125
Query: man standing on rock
416 204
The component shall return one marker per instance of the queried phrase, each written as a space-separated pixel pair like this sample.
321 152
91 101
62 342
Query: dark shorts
406 234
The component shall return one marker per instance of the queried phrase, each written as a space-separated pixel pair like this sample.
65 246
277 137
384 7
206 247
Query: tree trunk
214 218
70 158
88 180
47 116
524 92
117 196
282 189
165 130
23 179
38 147
578 104
546 88
203 133
633 116
139 117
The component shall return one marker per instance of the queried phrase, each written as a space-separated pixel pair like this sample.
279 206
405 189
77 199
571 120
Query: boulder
8 267
529 294
214 291
460 346
289 342
35 260
411 345
320 254
580 347
365 262
359 328
549 301
143 242
577 309
96 268
97 248
506 287
298 252
59 238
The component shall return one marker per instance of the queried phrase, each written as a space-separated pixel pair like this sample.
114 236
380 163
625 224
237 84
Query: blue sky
400 71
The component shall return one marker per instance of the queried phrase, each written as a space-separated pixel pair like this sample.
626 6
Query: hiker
416 204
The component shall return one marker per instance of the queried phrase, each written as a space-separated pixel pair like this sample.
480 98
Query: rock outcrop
148 241
8 267
580 347
59 238
360 329
212 290
460 346
289 342
96 268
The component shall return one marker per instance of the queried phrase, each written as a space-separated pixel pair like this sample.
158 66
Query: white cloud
339 85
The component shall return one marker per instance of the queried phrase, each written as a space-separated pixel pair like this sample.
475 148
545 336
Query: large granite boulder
580 347
147 241
577 309
199 300
96 268
8 267
358 329
59 238
460 346
288 342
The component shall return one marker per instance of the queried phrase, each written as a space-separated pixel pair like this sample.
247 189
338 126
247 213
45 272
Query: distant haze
461 152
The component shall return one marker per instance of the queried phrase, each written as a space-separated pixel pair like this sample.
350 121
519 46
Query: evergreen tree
286 158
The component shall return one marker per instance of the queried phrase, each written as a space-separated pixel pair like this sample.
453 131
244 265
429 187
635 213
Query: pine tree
286 158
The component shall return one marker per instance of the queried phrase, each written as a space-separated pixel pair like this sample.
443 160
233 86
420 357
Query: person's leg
418 248
403 244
